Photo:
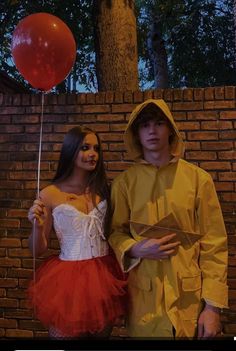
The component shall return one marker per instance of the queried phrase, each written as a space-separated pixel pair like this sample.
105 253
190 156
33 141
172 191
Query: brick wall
206 118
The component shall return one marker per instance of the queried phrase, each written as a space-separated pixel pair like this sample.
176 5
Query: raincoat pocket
190 297
191 283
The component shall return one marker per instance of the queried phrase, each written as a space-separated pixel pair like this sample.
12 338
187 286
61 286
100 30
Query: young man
176 290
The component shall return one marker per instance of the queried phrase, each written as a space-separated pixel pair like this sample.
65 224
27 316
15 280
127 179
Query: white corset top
80 235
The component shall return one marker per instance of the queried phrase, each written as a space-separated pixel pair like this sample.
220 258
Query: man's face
154 135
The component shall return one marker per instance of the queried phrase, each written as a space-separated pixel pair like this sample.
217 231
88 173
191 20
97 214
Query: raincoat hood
134 149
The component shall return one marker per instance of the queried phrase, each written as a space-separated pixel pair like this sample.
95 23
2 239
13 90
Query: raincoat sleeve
213 246
120 238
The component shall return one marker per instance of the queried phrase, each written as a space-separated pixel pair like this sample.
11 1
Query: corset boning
80 235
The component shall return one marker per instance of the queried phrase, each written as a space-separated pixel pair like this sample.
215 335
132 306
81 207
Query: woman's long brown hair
97 180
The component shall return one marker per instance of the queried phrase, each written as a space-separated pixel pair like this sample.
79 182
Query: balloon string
38 186
40 145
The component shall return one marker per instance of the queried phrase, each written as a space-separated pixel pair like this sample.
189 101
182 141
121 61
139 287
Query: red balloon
43 49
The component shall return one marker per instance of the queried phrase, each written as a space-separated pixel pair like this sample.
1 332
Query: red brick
17 166
116 147
25 314
18 333
229 197
128 97
201 155
81 98
35 128
148 94
111 118
178 95
227 176
10 242
216 145
216 125
179 116
112 156
8 303
44 166
228 135
58 99
80 119
5 120
100 97
224 186
168 94
216 165
213 105
118 97
188 125
202 115
188 94
219 93
12 110
158 93
50 156
228 115
109 98
91 98
111 136
124 108
71 99
95 109
11 223
198 94
138 96
202 135
209 94
192 145
227 155
230 92
184 106
118 127
22 175
8 323
17 213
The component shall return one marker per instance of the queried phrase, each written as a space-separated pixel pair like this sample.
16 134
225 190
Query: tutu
78 297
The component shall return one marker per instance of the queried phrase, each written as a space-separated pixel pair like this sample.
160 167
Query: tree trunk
116 45
158 55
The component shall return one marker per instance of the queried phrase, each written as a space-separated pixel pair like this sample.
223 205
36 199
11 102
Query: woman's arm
41 218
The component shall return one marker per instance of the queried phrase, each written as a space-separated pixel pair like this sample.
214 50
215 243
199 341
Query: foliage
199 39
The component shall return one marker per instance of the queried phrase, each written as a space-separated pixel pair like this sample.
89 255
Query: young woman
81 292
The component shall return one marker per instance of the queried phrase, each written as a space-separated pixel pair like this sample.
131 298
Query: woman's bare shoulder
49 194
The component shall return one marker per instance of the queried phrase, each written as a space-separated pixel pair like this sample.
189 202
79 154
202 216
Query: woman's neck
76 182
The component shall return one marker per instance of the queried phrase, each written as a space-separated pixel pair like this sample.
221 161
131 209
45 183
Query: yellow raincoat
169 293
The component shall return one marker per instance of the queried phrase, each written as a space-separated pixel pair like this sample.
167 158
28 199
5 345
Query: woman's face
88 154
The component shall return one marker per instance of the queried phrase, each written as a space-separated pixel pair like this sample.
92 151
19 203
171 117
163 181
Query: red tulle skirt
78 297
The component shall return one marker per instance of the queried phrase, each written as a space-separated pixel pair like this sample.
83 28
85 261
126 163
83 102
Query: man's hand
155 249
209 325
